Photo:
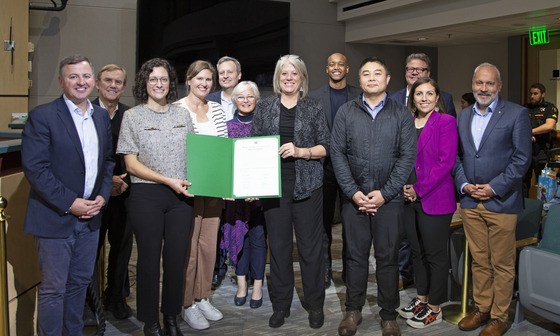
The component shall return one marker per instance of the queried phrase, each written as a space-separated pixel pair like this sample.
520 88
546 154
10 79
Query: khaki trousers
202 255
491 238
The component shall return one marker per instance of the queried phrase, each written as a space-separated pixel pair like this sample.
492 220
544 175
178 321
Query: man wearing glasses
417 66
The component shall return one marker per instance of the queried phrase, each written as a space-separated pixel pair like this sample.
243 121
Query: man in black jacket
110 83
372 154
331 96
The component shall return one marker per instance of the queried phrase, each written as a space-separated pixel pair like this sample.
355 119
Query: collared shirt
90 143
114 112
406 97
480 121
228 106
375 110
478 126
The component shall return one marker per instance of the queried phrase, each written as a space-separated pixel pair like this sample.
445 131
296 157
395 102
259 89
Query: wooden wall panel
14 68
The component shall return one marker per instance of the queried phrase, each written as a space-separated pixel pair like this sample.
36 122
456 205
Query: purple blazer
437 151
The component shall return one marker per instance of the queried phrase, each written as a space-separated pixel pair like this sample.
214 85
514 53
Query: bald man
331 97
495 152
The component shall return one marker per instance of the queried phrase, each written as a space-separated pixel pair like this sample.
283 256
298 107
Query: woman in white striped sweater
209 119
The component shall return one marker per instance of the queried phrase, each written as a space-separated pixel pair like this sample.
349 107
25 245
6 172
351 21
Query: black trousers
360 231
428 236
330 191
160 219
307 218
114 223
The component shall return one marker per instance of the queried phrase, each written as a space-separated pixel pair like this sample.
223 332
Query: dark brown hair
140 89
425 80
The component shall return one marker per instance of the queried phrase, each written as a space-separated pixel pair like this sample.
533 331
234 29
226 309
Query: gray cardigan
310 129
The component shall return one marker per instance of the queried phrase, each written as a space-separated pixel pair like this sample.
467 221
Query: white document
256 167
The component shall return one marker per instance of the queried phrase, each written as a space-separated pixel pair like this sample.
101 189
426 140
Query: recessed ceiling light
422 38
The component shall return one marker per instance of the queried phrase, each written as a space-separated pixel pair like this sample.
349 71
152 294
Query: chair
529 223
539 271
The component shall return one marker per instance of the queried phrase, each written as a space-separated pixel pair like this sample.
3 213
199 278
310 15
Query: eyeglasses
155 80
249 98
419 70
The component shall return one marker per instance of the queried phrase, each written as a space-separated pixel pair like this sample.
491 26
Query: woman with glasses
208 118
153 140
304 140
244 234
430 202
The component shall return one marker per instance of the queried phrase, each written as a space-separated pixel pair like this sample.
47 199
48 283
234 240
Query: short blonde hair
297 62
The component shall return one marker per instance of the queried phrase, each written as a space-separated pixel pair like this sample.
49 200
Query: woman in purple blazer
430 202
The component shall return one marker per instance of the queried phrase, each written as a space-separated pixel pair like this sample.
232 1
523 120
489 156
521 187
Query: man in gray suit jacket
494 154
331 96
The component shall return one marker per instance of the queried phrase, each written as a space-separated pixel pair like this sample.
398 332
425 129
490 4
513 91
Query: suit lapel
469 128
496 116
428 131
68 122
99 129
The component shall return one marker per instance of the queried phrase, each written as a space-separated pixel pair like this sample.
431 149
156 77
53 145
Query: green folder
212 163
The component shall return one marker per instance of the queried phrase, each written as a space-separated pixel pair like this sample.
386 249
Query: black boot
152 329
170 326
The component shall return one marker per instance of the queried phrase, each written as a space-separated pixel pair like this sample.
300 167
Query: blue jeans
66 265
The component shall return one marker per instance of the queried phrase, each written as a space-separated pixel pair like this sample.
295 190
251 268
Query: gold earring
437 108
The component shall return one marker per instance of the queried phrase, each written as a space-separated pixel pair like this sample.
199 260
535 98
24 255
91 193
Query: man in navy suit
229 74
332 96
494 154
418 65
66 157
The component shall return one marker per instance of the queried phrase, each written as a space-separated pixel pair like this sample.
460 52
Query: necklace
243 122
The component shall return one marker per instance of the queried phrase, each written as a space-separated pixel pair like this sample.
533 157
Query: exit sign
538 36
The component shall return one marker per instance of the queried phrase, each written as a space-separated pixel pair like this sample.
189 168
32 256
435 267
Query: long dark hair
425 80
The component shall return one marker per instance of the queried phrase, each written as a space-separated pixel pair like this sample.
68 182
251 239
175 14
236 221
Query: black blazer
120 167
323 96
400 96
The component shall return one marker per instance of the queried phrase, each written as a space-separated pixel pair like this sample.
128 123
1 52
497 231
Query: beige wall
102 30
315 33
456 65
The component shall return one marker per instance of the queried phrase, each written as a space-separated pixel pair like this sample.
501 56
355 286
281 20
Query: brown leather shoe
390 328
494 328
474 320
349 324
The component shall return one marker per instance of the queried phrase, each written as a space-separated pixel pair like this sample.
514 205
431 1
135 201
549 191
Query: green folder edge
210 166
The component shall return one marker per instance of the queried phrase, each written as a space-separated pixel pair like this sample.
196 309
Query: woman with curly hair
153 140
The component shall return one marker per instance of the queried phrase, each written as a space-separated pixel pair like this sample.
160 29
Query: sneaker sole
213 319
406 315
420 325
194 326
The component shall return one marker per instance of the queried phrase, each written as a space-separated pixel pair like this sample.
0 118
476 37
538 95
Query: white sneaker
195 319
210 312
